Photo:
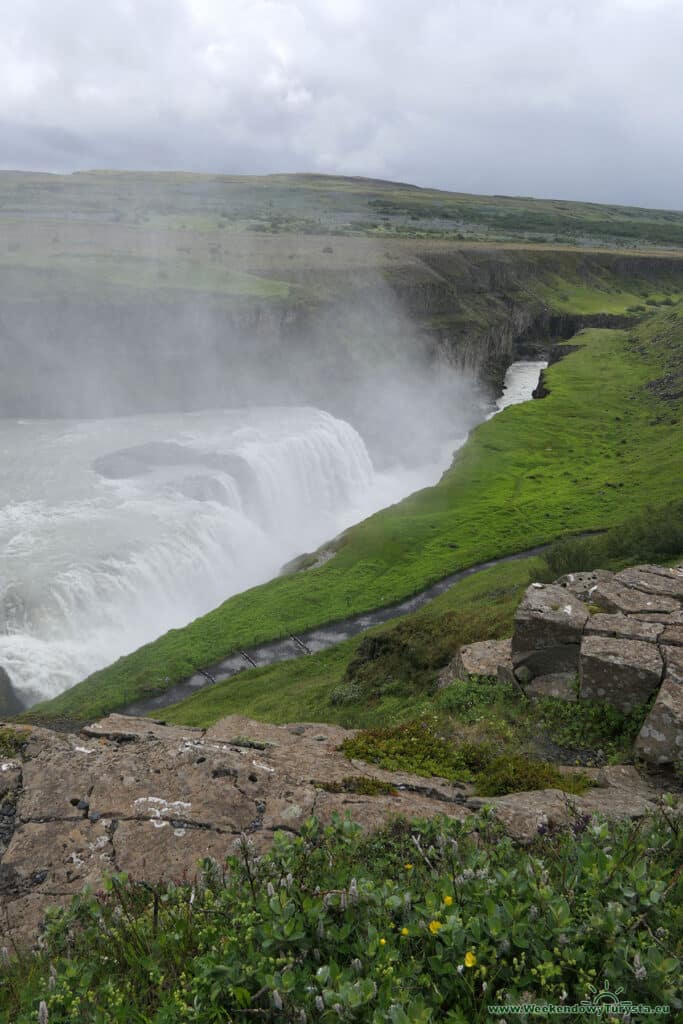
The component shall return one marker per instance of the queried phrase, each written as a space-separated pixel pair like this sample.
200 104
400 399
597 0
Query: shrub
511 773
654 535
421 747
420 923
589 724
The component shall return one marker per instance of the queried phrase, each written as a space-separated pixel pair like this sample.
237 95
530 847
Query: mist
168 440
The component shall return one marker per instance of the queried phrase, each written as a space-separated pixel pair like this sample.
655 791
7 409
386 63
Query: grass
571 297
394 685
597 449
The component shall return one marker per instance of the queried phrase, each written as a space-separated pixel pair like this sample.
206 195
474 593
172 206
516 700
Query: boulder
623 673
135 795
480 659
614 596
547 633
618 792
660 740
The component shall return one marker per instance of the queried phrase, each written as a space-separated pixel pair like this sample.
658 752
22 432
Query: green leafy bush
420 747
419 924
589 724
11 742
653 536
510 773
423 748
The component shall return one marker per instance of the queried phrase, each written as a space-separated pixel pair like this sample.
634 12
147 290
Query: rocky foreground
133 795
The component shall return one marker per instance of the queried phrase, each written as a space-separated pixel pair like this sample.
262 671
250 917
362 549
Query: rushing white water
114 531
520 380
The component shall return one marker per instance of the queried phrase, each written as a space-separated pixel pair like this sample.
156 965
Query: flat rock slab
480 659
134 795
623 673
653 579
547 633
660 740
614 596
625 626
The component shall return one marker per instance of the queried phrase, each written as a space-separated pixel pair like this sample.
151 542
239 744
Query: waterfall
111 548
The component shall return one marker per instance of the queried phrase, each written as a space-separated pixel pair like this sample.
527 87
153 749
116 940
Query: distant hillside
315 204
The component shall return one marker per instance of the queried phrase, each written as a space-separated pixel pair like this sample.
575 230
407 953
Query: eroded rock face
620 672
660 740
10 702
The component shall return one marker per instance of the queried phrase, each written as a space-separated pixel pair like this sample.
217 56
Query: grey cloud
573 98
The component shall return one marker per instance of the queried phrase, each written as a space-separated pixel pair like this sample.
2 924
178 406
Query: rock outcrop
133 795
10 702
615 638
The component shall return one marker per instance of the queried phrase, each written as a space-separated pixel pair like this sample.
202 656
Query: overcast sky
569 98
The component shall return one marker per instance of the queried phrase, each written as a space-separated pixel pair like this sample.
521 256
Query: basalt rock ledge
615 638
152 800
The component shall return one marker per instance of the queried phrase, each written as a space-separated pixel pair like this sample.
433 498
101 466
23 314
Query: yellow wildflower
382 942
434 926
404 931
448 900
470 959
408 867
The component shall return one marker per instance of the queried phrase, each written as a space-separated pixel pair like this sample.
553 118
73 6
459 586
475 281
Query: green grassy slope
604 443
316 688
